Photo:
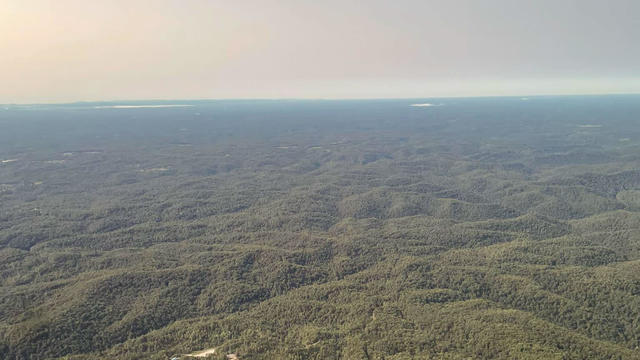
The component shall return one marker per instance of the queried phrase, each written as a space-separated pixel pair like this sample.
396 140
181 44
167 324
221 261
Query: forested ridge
482 228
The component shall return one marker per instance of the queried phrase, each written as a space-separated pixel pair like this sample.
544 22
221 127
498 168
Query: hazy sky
69 50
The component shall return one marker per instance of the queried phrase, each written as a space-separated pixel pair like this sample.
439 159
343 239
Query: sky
78 50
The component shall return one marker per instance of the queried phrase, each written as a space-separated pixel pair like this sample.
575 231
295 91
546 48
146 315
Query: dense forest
483 228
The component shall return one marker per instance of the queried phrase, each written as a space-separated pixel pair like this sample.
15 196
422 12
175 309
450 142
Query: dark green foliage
485 228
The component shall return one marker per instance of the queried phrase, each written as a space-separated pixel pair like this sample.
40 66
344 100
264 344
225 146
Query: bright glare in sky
72 50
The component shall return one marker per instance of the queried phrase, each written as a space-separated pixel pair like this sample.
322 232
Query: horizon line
138 100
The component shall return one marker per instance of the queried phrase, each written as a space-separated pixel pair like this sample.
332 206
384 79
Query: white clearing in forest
426 105
589 126
207 352
202 353
139 106
160 169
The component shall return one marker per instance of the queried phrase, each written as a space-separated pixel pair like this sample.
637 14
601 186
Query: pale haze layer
70 50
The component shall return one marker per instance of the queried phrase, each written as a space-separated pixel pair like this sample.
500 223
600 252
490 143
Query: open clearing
140 106
160 169
203 353
590 126
207 352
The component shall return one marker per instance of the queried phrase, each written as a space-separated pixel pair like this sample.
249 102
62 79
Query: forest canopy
481 228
